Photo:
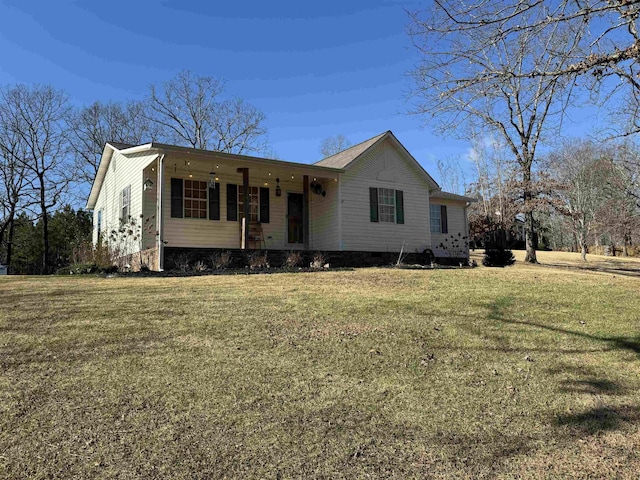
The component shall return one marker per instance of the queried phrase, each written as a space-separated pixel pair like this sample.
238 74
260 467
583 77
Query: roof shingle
345 157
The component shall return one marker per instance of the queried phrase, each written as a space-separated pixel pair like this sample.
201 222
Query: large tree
38 115
95 125
609 44
191 110
470 77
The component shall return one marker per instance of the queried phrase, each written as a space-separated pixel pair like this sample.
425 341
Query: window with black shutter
232 202
176 198
264 205
214 202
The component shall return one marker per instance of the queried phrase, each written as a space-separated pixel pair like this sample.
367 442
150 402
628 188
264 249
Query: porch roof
163 148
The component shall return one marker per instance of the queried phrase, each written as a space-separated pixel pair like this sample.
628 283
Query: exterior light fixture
148 184
278 189
212 180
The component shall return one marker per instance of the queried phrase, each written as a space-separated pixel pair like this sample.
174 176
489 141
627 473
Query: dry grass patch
530 371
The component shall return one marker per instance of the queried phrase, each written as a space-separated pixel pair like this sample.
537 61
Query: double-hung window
386 205
438 218
125 202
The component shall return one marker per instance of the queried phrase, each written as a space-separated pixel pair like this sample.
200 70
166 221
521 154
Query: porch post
305 211
245 197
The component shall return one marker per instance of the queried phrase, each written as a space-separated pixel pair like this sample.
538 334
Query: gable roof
347 157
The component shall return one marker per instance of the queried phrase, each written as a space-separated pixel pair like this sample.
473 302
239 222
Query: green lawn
528 372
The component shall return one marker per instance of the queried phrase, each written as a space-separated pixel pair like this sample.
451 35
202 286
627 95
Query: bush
319 261
293 260
498 257
257 260
221 260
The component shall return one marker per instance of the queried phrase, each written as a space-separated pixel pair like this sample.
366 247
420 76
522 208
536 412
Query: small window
195 199
125 203
99 224
438 218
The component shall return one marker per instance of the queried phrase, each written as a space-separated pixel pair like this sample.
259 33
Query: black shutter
214 202
443 219
232 202
264 205
176 198
373 203
399 206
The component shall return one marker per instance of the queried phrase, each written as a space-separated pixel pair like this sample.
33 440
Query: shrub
257 260
456 246
199 267
182 263
319 260
293 260
498 257
221 260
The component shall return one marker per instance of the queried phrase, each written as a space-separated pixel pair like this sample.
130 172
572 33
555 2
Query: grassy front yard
530 371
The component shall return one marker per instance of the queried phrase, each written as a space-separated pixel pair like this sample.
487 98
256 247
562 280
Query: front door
294 215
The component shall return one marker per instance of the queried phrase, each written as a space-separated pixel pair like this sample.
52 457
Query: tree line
50 152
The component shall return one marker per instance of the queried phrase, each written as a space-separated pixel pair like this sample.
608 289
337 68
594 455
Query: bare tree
451 174
609 44
470 76
14 183
577 167
332 145
190 110
93 126
38 115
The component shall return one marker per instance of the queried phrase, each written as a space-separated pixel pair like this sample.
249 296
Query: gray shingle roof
345 157
120 146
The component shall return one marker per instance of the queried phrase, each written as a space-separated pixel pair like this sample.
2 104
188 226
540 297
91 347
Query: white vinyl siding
129 173
384 167
456 224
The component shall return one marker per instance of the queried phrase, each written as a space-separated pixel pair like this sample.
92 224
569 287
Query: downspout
159 214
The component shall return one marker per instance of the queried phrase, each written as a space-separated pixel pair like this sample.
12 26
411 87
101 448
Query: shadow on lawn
621 343
600 418
609 267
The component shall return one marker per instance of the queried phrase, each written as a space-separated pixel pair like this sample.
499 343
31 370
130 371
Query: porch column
246 209
305 211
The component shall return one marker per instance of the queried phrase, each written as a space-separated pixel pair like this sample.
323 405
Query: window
195 199
125 202
438 218
99 223
254 195
189 199
386 205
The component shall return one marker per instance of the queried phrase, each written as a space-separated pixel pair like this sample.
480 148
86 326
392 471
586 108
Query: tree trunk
45 229
9 245
530 240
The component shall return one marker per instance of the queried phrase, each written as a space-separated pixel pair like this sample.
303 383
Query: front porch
209 200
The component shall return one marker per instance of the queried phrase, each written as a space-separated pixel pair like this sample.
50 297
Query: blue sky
316 69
